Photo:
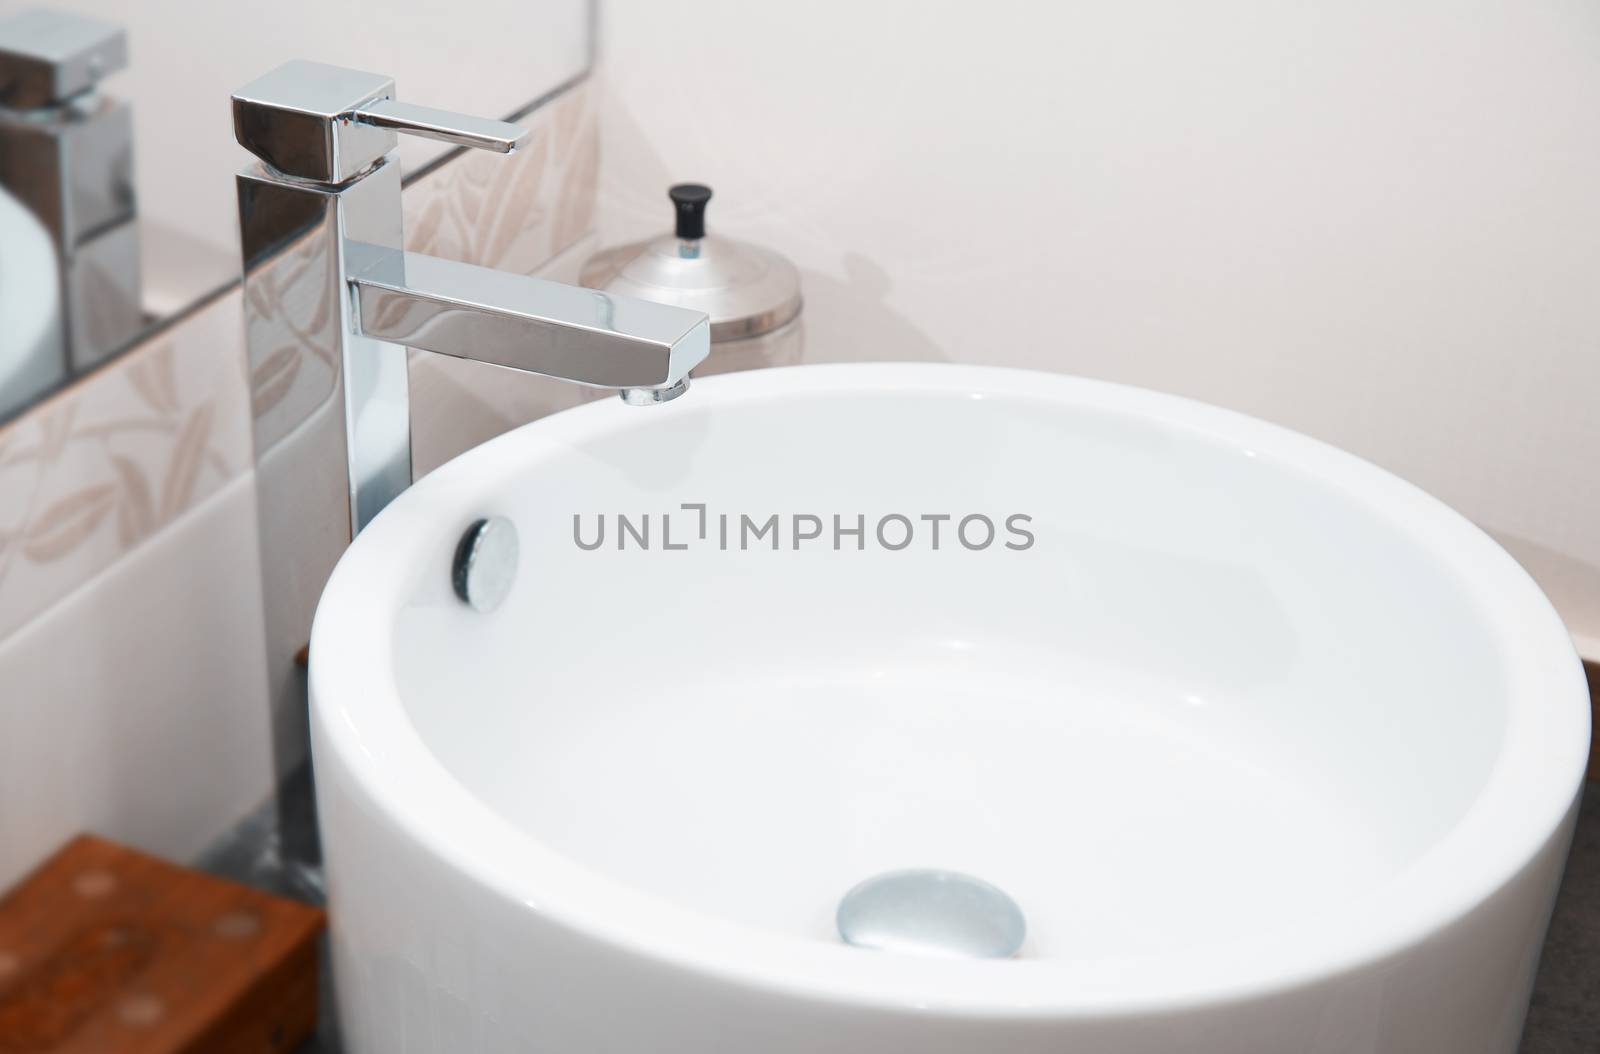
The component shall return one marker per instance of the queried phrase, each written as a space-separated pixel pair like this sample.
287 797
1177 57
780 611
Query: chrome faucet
66 154
331 303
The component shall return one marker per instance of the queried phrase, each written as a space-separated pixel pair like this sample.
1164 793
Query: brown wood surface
106 950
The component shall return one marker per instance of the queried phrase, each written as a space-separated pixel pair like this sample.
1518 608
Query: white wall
1375 222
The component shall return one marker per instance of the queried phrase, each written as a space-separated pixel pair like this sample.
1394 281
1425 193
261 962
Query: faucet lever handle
328 124
443 126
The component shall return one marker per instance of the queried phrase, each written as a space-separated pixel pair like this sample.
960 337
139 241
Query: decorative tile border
514 213
92 472
100 467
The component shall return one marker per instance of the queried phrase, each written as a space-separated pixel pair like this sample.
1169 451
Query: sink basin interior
1221 690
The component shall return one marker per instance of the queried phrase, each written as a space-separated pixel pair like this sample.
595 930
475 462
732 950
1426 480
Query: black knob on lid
690 200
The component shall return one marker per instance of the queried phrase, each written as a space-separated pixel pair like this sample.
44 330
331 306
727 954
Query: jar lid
747 290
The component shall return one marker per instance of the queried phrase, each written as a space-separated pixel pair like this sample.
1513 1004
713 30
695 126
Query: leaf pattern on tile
55 428
135 508
98 469
188 456
516 208
516 212
575 204
155 379
424 232
67 522
468 199
76 474
569 115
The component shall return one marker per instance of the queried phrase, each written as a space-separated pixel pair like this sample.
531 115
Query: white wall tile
136 707
103 466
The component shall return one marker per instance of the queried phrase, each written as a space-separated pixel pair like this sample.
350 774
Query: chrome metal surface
523 323
747 290
50 56
331 302
443 126
653 396
298 120
66 155
485 565
930 912
330 124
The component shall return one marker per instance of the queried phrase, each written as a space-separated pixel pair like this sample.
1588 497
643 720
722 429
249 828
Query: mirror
117 211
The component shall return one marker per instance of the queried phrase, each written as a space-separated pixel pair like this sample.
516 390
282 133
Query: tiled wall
95 472
131 689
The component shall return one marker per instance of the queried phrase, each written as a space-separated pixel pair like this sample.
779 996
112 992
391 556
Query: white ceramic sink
1275 752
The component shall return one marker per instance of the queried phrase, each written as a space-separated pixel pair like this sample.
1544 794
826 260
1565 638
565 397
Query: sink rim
1526 797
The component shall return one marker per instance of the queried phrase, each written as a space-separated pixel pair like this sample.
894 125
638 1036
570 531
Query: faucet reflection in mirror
332 301
69 240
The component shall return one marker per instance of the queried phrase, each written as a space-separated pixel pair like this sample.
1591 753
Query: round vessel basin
1272 751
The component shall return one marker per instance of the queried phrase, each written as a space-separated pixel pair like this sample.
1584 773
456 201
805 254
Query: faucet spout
332 302
526 324
653 396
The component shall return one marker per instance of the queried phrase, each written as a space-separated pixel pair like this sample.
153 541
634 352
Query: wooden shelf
104 948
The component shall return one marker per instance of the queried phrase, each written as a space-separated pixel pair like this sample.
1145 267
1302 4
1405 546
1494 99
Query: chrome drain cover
929 912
